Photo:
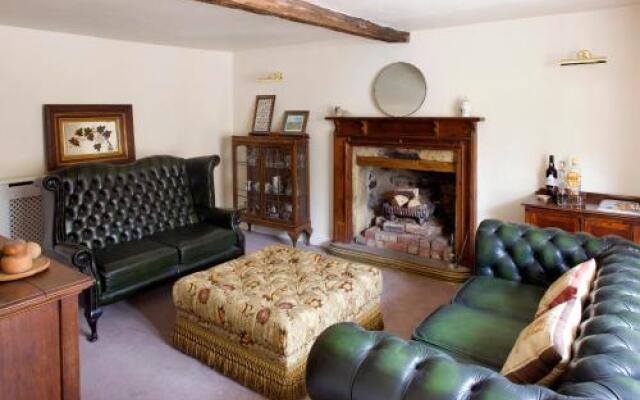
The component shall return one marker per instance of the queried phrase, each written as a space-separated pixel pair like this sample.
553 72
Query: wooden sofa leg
92 312
92 319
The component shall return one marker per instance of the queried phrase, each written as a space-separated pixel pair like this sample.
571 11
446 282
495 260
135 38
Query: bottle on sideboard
551 178
574 183
562 196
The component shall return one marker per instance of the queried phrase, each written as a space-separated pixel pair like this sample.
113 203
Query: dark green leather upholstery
507 298
523 253
470 334
131 225
197 241
122 265
347 362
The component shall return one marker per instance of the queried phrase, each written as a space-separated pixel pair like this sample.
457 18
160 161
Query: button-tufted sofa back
532 255
103 204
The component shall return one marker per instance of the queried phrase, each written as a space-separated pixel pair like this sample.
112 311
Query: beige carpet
133 359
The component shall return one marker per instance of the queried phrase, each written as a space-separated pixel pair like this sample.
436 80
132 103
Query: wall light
583 57
271 77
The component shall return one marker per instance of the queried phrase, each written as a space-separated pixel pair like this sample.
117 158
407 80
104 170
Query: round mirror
400 89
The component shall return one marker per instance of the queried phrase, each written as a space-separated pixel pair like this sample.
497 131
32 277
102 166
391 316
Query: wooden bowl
39 264
16 264
544 198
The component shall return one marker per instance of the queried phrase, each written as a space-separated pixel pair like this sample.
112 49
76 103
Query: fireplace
404 193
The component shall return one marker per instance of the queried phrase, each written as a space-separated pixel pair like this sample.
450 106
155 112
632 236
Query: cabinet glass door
248 180
302 176
278 185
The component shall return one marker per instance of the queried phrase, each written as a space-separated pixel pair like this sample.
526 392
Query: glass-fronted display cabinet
271 182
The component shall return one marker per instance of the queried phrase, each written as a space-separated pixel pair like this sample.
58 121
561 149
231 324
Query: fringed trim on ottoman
269 377
372 320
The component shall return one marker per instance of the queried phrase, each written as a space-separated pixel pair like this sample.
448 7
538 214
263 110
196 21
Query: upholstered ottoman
256 317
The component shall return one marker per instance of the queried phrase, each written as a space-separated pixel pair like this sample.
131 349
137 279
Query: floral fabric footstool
255 318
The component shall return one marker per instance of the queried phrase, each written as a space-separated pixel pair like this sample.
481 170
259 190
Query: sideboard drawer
545 219
603 227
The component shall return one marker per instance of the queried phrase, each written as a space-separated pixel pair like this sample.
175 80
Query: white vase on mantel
465 107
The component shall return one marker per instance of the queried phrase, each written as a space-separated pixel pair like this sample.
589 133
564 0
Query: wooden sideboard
39 335
585 219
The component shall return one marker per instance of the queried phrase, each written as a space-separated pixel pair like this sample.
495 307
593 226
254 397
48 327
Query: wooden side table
39 335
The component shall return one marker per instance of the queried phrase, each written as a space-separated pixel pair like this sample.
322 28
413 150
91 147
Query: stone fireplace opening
404 193
404 201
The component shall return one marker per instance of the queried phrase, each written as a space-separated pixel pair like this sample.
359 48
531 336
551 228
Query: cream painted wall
510 73
182 98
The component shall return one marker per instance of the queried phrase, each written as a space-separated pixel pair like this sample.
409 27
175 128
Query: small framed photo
295 122
86 133
263 114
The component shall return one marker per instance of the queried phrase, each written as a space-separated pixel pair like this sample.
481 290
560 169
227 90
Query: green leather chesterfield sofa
458 351
132 225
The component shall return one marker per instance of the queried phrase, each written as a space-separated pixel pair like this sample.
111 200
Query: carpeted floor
134 360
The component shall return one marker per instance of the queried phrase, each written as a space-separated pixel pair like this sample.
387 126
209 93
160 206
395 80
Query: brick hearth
408 237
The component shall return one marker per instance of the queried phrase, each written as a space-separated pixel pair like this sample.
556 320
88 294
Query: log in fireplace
405 193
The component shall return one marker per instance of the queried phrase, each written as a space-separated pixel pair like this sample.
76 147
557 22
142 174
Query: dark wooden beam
307 13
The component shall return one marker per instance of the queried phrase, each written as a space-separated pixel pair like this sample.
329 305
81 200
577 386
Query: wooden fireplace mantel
414 165
435 133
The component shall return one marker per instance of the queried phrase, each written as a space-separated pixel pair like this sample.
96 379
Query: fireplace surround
377 158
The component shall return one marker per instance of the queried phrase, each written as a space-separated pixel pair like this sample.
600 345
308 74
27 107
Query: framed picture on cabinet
263 114
86 133
295 122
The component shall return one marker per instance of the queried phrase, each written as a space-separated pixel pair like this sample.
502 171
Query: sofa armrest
224 218
348 363
77 256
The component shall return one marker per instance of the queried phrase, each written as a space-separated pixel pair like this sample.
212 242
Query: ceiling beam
307 13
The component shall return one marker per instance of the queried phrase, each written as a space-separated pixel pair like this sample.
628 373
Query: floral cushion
280 298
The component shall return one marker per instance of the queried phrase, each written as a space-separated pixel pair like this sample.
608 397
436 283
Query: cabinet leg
294 238
307 236
248 227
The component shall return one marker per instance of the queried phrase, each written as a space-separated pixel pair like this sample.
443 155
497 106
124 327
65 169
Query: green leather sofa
458 351
129 226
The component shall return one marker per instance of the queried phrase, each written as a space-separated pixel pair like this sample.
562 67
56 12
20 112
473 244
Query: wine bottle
551 177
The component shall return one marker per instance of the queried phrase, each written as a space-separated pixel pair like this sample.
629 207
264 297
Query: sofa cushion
499 296
198 241
484 337
129 263
575 283
543 349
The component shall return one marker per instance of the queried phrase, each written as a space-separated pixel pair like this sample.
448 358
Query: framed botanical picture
263 114
84 133
295 122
